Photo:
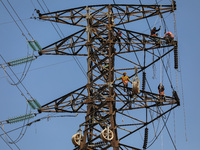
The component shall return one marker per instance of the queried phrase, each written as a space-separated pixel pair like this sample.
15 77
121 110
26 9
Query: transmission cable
25 72
145 16
74 57
176 36
37 120
6 142
160 131
169 134
23 75
2 23
14 20
11 139
138 60
126 29
17 79
19 137
40 67
166 70
20 19
50 22
136 55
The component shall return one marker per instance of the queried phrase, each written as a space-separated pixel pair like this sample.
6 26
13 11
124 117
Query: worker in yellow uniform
124 79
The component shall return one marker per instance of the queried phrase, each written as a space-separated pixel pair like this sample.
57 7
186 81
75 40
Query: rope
161 138
175 30
155 21
184 109
182 92
160 70
146 17
176 38
174 116
166 71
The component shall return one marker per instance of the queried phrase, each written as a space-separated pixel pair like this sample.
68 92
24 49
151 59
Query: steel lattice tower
102 99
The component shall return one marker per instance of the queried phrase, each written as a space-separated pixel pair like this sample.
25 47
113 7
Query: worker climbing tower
110 49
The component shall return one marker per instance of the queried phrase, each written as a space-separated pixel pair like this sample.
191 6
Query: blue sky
50 77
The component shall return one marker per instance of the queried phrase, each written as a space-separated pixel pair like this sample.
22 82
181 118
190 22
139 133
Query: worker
169 37
154 30
125 79
119 34
117 38
161 91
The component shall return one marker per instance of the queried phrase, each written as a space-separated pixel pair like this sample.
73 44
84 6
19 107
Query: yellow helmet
124 73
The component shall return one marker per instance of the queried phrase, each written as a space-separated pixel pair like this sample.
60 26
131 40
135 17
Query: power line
25 72
126 29
165 70
2 23
74 57
169 134
20 20
145 17
14 20
11 139
43 67
6 142
50 22
37 120
20 135
17 79
160 131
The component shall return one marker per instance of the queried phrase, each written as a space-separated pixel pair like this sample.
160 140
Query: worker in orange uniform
119 34
125 80
154 30
169 37
161 91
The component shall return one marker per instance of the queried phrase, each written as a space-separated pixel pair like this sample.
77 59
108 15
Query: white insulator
77 139
106 135
136 85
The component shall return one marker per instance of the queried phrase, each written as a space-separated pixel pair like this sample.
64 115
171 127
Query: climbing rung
35 45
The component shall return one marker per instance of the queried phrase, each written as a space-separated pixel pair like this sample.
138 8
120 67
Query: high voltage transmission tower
107 48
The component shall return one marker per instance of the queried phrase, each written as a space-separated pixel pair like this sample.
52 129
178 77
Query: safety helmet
124 73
